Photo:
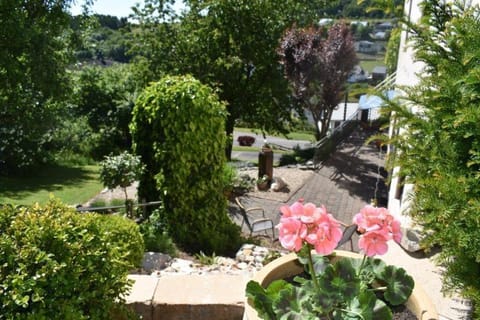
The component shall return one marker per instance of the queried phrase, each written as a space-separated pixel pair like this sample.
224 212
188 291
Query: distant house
366 47
380 35
385 26
325 22
362 23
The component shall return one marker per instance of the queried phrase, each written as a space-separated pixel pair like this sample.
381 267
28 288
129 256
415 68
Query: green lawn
73 185
368 62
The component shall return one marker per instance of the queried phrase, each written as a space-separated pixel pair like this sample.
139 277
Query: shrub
58 264
121 171
178 130
155 235
246 140
439 150
298 156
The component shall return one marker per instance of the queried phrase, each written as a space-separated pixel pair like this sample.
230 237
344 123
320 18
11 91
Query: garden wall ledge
198 297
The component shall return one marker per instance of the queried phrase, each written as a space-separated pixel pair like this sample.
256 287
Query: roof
379 69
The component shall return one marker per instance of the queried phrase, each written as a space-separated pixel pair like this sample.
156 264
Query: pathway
344 183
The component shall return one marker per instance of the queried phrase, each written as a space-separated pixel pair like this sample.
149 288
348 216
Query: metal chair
255 219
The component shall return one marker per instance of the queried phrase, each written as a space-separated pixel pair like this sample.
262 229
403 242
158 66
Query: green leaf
340 279
381 311
294 303
320 263
399 285
261 301
359 307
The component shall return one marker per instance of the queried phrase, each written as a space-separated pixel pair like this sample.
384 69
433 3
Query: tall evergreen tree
439 148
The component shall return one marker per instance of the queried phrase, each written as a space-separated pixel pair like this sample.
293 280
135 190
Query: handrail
144 204
387 83
337 129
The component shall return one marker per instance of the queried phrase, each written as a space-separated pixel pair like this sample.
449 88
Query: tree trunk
229 126
316 119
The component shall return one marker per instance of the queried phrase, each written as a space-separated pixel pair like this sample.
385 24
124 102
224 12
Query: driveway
251 156
259 141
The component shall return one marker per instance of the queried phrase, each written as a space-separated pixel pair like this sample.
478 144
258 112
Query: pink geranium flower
307 223
328 234
295 210
396 231
377 226
310 213
373 243
370 217
291 233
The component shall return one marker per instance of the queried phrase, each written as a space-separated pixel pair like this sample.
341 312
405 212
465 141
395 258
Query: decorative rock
247 252
154 261
249 259
411 240
278 184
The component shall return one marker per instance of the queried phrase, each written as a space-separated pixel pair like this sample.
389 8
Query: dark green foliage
391 56
33 57
178 130
155 235
56 263
440 151
229 45
105 96
297 156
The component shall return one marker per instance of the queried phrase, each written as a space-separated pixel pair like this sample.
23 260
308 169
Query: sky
119 8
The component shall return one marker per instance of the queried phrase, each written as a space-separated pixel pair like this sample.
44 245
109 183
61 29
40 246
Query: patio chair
255 219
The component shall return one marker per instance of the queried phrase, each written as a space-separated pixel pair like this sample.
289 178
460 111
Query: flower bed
246 141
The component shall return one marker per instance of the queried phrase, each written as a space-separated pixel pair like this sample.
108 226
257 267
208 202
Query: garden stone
278 184
155 261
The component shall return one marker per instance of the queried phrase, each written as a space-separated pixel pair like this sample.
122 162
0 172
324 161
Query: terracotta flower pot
287 266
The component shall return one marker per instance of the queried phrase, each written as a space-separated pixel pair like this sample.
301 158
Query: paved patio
345 183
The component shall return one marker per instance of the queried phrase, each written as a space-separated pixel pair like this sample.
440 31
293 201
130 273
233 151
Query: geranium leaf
346 281
293 303
275 287
377 266
262 302
381 311
360 307
399 285
320 263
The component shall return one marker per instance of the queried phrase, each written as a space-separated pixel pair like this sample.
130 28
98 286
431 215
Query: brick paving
344 183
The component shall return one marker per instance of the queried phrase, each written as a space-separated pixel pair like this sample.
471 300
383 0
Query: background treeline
68 84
